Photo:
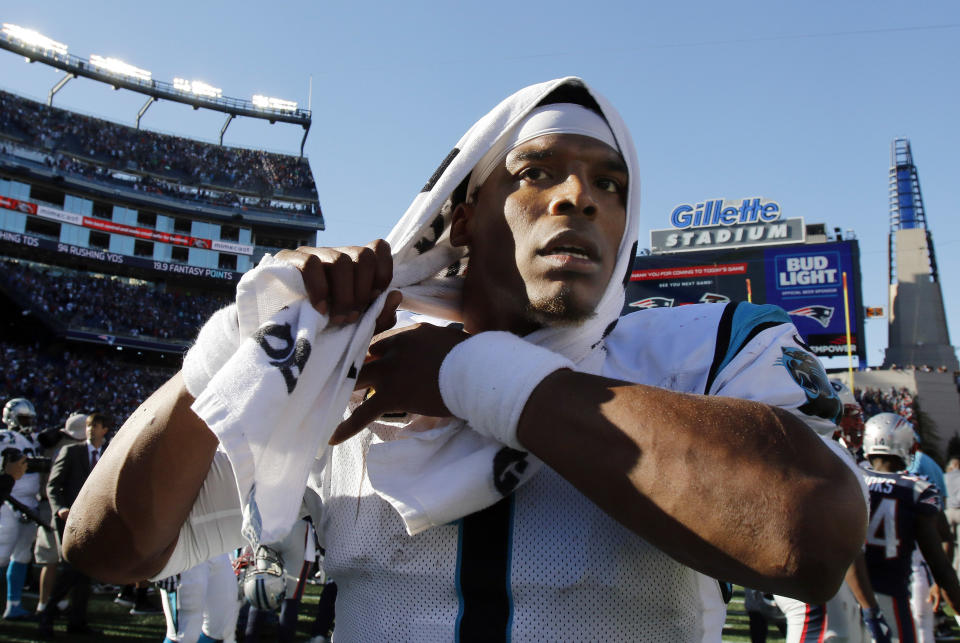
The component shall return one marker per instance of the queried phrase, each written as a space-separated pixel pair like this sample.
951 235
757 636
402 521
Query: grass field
118 626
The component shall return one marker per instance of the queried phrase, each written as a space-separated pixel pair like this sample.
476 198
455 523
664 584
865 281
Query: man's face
545 228
851 425
26 422
96 431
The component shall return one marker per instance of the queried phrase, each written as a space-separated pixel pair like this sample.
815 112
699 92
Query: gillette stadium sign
718 223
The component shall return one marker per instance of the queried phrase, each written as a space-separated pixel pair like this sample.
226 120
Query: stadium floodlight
115 66
268 102
197 87
31 38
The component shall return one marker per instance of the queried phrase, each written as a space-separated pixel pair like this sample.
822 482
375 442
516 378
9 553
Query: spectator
60 384
110 304
892 400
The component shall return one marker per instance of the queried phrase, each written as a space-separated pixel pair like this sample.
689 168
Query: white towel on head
276 402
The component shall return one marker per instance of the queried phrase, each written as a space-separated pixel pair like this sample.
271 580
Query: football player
201 603
297 548
17 532
850 427
904 511
839 619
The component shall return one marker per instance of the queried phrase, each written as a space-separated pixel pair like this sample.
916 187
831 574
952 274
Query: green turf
737 626
117 624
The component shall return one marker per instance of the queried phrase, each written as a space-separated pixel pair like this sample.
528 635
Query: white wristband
217 342
487 379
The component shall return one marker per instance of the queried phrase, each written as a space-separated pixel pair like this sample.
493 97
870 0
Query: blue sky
796 102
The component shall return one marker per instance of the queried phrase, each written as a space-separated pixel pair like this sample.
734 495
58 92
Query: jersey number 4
883 527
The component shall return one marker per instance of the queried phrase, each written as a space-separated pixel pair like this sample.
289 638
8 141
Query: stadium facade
116 243
143 206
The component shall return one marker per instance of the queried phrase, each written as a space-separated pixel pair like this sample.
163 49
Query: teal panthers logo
807 371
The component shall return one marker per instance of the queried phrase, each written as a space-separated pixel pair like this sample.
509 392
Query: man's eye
609 185
533 174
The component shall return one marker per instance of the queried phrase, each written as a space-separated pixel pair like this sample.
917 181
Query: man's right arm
125 523
55 491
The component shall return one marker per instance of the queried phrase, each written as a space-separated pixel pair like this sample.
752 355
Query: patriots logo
653 302
713 298
820 314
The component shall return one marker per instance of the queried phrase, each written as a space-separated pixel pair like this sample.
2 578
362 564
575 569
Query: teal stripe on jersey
747 320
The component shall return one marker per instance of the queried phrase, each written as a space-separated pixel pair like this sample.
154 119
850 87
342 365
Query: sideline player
297 552
17 533
904 511
843 617
201 603
46 549
922 604
636 486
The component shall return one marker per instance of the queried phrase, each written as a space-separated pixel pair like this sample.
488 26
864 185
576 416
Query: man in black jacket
69 472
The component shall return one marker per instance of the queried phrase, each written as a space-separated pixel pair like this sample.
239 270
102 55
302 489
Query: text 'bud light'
807 271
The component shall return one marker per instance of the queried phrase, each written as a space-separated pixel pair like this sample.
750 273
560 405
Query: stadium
117 243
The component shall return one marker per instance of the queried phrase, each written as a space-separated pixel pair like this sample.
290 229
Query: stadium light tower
36 47
918 323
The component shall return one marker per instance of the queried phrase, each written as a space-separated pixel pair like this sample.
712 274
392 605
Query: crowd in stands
111 305
892 400
70 382
923 368
187 164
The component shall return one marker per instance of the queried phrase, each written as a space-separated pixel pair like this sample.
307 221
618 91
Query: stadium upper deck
158 163
111 234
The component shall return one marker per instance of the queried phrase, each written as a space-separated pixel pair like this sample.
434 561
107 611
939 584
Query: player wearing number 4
903 514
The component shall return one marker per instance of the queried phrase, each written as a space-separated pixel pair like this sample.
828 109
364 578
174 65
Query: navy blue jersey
896 499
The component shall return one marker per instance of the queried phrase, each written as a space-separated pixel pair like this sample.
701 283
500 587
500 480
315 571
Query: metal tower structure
917 323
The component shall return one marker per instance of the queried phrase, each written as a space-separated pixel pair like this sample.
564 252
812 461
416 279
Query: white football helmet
889 434
19 415
264 582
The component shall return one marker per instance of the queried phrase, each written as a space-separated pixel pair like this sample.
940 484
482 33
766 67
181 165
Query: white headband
558 118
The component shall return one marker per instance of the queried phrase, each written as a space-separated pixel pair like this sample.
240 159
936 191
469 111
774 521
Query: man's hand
343 282
403 369
63 513
933 596
877 624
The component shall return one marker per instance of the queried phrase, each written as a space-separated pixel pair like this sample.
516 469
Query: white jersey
544 563
26 488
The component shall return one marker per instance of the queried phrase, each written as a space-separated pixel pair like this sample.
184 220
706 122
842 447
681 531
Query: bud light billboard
806 280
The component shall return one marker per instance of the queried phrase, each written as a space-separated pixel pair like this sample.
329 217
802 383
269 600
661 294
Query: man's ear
460 224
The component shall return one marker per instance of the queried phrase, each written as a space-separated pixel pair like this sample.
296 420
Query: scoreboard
806 280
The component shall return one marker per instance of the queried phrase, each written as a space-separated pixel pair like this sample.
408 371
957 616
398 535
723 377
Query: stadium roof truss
75 66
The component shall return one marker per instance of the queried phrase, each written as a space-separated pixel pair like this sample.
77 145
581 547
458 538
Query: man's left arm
683 471
930 544
680 470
